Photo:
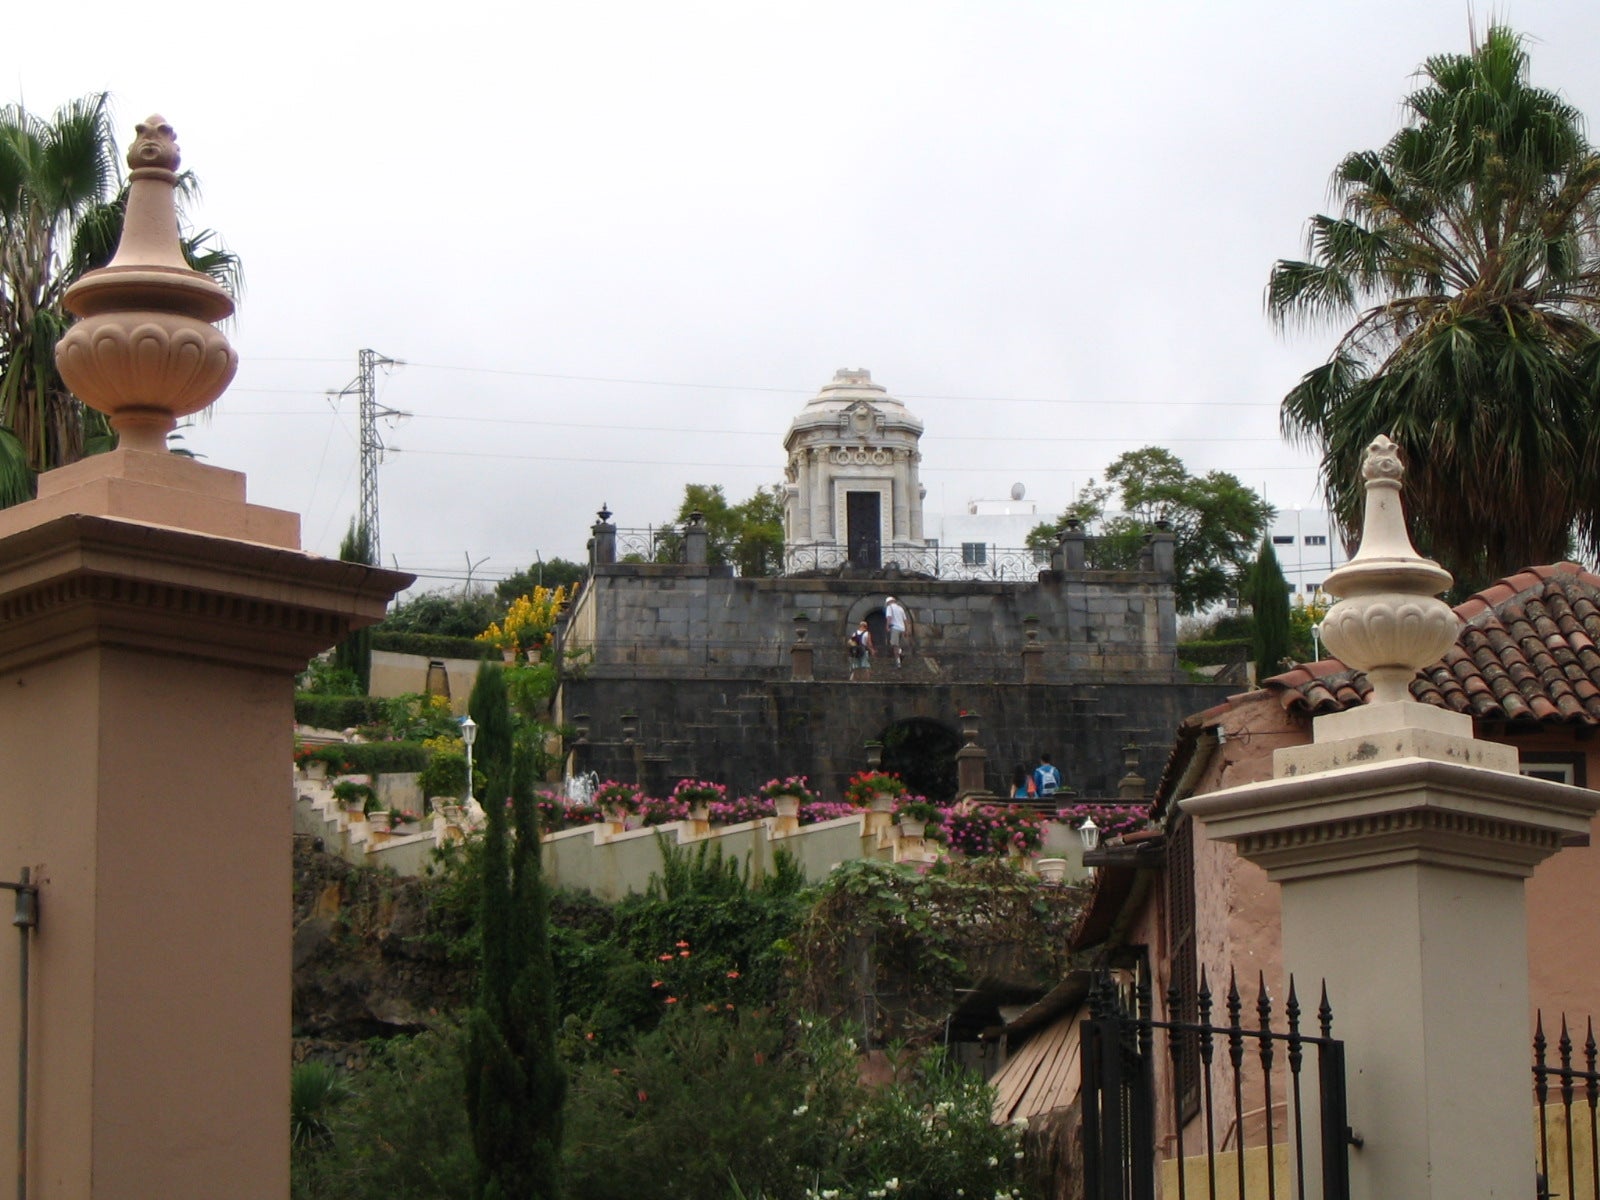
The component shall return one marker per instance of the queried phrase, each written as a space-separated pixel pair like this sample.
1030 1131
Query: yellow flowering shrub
529 620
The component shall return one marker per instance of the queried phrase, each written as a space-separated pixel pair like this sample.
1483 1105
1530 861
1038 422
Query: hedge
336 712
1215 652
373 758
431 645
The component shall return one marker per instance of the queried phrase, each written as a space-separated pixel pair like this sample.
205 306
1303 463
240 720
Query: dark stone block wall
742 732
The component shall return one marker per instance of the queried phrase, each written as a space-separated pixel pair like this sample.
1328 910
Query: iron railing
1119 1092
1570 1147
970 560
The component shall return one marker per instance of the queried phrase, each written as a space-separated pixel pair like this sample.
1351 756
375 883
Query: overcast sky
619 245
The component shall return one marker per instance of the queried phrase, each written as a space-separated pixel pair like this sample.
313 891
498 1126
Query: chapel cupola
853 494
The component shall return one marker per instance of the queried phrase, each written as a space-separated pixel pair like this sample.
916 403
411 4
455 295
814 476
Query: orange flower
657 983
681 954
733 974
672 999
664 958
681 945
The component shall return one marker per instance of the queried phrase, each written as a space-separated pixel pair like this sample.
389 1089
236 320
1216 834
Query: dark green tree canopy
1465 268
1216 521
1268 593
748 535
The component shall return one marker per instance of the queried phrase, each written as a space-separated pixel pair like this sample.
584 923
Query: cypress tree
515 1083
490 706
1269 599
354 654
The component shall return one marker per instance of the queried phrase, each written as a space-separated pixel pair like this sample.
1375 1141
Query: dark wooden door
863 523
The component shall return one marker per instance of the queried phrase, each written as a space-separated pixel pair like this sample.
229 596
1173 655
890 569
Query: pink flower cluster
992 829
1112 818
795 785
699 791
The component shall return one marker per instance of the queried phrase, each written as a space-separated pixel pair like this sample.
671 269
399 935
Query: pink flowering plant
826 810
740 810
993 829
623 796
693 792
1113 819
795 785
653 811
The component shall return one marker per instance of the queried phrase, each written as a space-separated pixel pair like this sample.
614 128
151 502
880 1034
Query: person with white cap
894 616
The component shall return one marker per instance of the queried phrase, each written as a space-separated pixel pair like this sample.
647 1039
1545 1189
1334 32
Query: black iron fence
1566 1097
1119 1095
968 560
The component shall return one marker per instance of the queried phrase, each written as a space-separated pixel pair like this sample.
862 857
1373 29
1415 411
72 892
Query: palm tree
1467 255
61 206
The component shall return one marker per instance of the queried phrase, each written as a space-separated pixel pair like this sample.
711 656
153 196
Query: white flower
1018 1154
800 1112
893 1185
993 1161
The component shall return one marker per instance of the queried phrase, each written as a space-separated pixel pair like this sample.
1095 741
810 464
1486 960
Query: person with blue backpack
1046 778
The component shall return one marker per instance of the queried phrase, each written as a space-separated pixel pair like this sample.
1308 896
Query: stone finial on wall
145 351
1389 621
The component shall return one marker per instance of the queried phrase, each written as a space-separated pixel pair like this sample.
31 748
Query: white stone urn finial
145 352
1389 621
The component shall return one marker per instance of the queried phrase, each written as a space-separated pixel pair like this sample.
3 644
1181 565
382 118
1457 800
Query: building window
1289 587
1283 539
931 543
1183 965
974 554
1555 766
1316 539
1313 587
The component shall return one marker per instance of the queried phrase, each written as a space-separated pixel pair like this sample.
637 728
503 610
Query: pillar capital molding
1395 812
79 581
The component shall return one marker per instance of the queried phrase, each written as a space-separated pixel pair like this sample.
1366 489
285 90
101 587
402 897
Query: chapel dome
848 388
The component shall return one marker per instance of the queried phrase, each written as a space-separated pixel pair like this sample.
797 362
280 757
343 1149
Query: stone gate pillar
1401 845
152 623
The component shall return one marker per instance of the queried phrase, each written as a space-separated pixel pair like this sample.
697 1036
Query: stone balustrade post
971 759
1072 544
696 541
801 653
603 540
1032 652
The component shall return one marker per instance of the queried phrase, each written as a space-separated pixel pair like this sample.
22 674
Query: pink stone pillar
151 626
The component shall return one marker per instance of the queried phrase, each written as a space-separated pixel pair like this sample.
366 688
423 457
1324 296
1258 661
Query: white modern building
1308 548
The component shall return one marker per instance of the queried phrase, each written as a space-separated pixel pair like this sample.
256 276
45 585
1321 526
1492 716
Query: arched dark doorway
923 753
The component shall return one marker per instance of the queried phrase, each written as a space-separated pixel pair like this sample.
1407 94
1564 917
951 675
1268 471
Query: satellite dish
1018 491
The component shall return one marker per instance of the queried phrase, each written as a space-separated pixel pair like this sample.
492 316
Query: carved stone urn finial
1389 622
145 352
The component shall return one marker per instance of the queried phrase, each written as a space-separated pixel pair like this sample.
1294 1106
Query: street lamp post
469 734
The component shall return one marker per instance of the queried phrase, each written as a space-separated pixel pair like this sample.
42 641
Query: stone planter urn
913 829
616 816
1052 870
535 655
379 821
881 803
508 654
787 806
700 812
316 769
453 814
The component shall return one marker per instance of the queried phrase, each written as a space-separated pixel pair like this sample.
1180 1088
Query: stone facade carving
852 483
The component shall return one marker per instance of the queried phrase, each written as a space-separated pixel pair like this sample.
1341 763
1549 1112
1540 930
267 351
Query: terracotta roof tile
1529 650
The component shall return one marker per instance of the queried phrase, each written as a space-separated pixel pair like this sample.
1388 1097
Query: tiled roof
1528 651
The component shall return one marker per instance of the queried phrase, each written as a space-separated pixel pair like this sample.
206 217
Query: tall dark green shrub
1269 598
490 706
515 1084
354 654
